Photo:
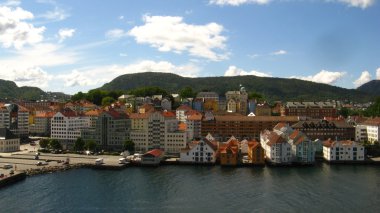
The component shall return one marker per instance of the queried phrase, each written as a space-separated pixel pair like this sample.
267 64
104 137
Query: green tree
106 101
44 143
54 144
344 112
90 145
79 144
187 92
129 145
257 96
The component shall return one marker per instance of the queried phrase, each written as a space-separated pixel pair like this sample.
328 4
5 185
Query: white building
181 111
342 151
369 130
157 130
277 149
8 141
202 151
66 127
361 133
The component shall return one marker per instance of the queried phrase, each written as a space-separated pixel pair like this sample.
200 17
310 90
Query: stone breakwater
51 169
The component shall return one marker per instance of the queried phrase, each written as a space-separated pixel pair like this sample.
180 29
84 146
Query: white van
7 166
99 161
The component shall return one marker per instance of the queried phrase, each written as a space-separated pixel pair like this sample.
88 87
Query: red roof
168 114
155 152
184 108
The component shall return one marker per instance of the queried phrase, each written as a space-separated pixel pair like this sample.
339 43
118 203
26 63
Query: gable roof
154 152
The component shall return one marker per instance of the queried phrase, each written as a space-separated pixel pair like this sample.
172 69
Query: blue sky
73 46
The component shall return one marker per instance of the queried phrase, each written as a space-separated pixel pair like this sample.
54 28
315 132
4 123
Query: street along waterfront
207 188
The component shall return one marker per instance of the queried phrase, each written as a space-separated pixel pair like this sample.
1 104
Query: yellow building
211 105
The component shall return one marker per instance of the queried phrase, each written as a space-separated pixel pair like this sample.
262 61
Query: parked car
42 163
7 166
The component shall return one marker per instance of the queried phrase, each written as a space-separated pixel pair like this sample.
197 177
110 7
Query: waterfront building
222 127
303 151
229 153
256 153
342 150
317 110
201 151
66 127
369 130
277 149
15 118
109 129
323 129
157 130
152 157
41 125
8 141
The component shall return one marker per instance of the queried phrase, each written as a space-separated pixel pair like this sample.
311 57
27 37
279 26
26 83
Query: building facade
222 127
317 110
15 118
8 141
342 151
323 129
66 127
202 151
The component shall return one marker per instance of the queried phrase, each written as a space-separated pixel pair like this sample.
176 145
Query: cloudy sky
72 45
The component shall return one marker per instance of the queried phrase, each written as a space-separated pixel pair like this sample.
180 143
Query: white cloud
238 2
33 76
12 3
100 75
324 76
58 14
116 33
364 78
352 3
65 33
378 73
14 31
279 52
121 17
234 71
358 3
170 33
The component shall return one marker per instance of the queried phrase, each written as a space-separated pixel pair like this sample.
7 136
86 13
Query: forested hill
10 91
372 87
272 88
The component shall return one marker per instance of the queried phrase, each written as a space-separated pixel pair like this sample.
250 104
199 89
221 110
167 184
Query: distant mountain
272 88
372 87
10 91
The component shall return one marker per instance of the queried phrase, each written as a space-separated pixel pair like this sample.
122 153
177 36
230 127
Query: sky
71 46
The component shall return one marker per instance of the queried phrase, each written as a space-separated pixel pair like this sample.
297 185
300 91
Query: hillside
272 88
9 90
372 87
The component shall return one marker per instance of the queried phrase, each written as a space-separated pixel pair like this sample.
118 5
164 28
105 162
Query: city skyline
72 46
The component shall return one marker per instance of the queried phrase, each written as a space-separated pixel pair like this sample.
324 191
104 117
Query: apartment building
15 118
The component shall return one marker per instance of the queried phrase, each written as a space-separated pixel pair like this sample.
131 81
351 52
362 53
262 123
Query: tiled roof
154 152
45 115
373 121
139 115
182 126
93 112
184 108
168 114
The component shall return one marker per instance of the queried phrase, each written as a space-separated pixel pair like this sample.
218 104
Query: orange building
229 153
256 153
